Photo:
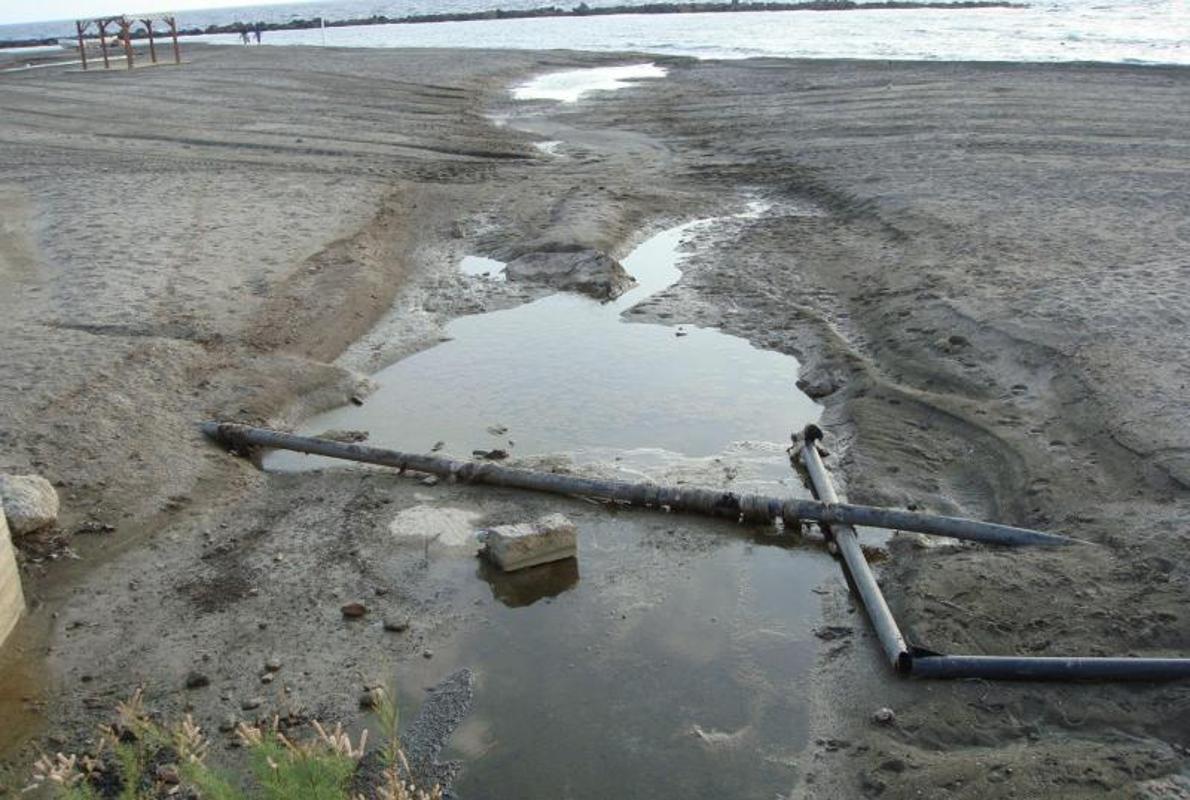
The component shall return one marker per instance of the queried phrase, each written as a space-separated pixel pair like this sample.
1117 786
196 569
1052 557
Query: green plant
138 759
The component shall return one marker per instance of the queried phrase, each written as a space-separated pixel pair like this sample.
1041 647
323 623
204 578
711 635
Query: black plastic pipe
847 542
1045 668
749 507
920 663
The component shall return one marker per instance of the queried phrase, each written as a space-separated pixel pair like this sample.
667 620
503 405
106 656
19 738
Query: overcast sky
37 10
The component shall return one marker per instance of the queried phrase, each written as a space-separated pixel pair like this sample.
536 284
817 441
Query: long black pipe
755 508
1049 668
920 663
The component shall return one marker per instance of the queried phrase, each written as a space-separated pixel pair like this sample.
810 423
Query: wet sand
992 312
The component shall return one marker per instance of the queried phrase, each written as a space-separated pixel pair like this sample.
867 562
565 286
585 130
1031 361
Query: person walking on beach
244 35
256 32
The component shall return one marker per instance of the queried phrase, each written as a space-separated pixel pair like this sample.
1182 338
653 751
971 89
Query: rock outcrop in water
574 269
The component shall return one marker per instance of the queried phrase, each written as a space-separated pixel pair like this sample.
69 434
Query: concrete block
513 547
12 599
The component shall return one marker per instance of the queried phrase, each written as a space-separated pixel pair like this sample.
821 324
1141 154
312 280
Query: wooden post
78 24
102 23
152 47
126 35
173 32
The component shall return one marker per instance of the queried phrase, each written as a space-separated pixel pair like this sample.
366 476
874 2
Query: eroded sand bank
992 310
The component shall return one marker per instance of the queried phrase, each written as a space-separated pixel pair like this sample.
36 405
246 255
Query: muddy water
668 660
567 374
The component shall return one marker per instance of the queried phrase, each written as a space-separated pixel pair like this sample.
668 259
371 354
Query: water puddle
569 86
566 374
669 659
481 267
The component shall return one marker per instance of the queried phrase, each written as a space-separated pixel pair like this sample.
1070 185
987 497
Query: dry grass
136 758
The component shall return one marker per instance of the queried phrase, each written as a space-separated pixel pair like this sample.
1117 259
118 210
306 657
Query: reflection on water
675 668
526 586
479 266
570 85
566 374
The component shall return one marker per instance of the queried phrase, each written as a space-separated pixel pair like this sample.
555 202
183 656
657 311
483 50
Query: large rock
30 503
579 270
513 547
12 599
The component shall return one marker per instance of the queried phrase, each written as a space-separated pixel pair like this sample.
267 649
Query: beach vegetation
138 758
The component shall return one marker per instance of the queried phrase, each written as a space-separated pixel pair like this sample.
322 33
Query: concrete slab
12 598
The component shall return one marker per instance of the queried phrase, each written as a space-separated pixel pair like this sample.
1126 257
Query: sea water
1129 31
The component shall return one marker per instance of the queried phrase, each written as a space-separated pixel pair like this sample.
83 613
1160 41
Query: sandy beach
991 306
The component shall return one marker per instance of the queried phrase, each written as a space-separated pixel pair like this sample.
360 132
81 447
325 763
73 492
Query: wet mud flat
957 316
989 310
688 686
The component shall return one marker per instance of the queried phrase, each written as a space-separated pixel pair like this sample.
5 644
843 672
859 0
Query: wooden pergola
120 30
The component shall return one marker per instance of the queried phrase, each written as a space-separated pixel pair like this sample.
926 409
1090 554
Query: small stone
196 680
267 677
252 703
168 774
228 723
884 716
396 625
430 480
828 633
354 610
427 653
370 698
273 664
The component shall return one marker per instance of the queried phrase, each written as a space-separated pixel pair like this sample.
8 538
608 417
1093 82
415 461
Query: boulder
30 503
513 547
12 599
579 270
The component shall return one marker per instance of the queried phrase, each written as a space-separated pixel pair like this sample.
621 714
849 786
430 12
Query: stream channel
671 658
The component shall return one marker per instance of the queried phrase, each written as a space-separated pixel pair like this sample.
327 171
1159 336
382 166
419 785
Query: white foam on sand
569 86
452 527
548 148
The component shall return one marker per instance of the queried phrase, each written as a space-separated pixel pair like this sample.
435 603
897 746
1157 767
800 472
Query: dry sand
992 308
